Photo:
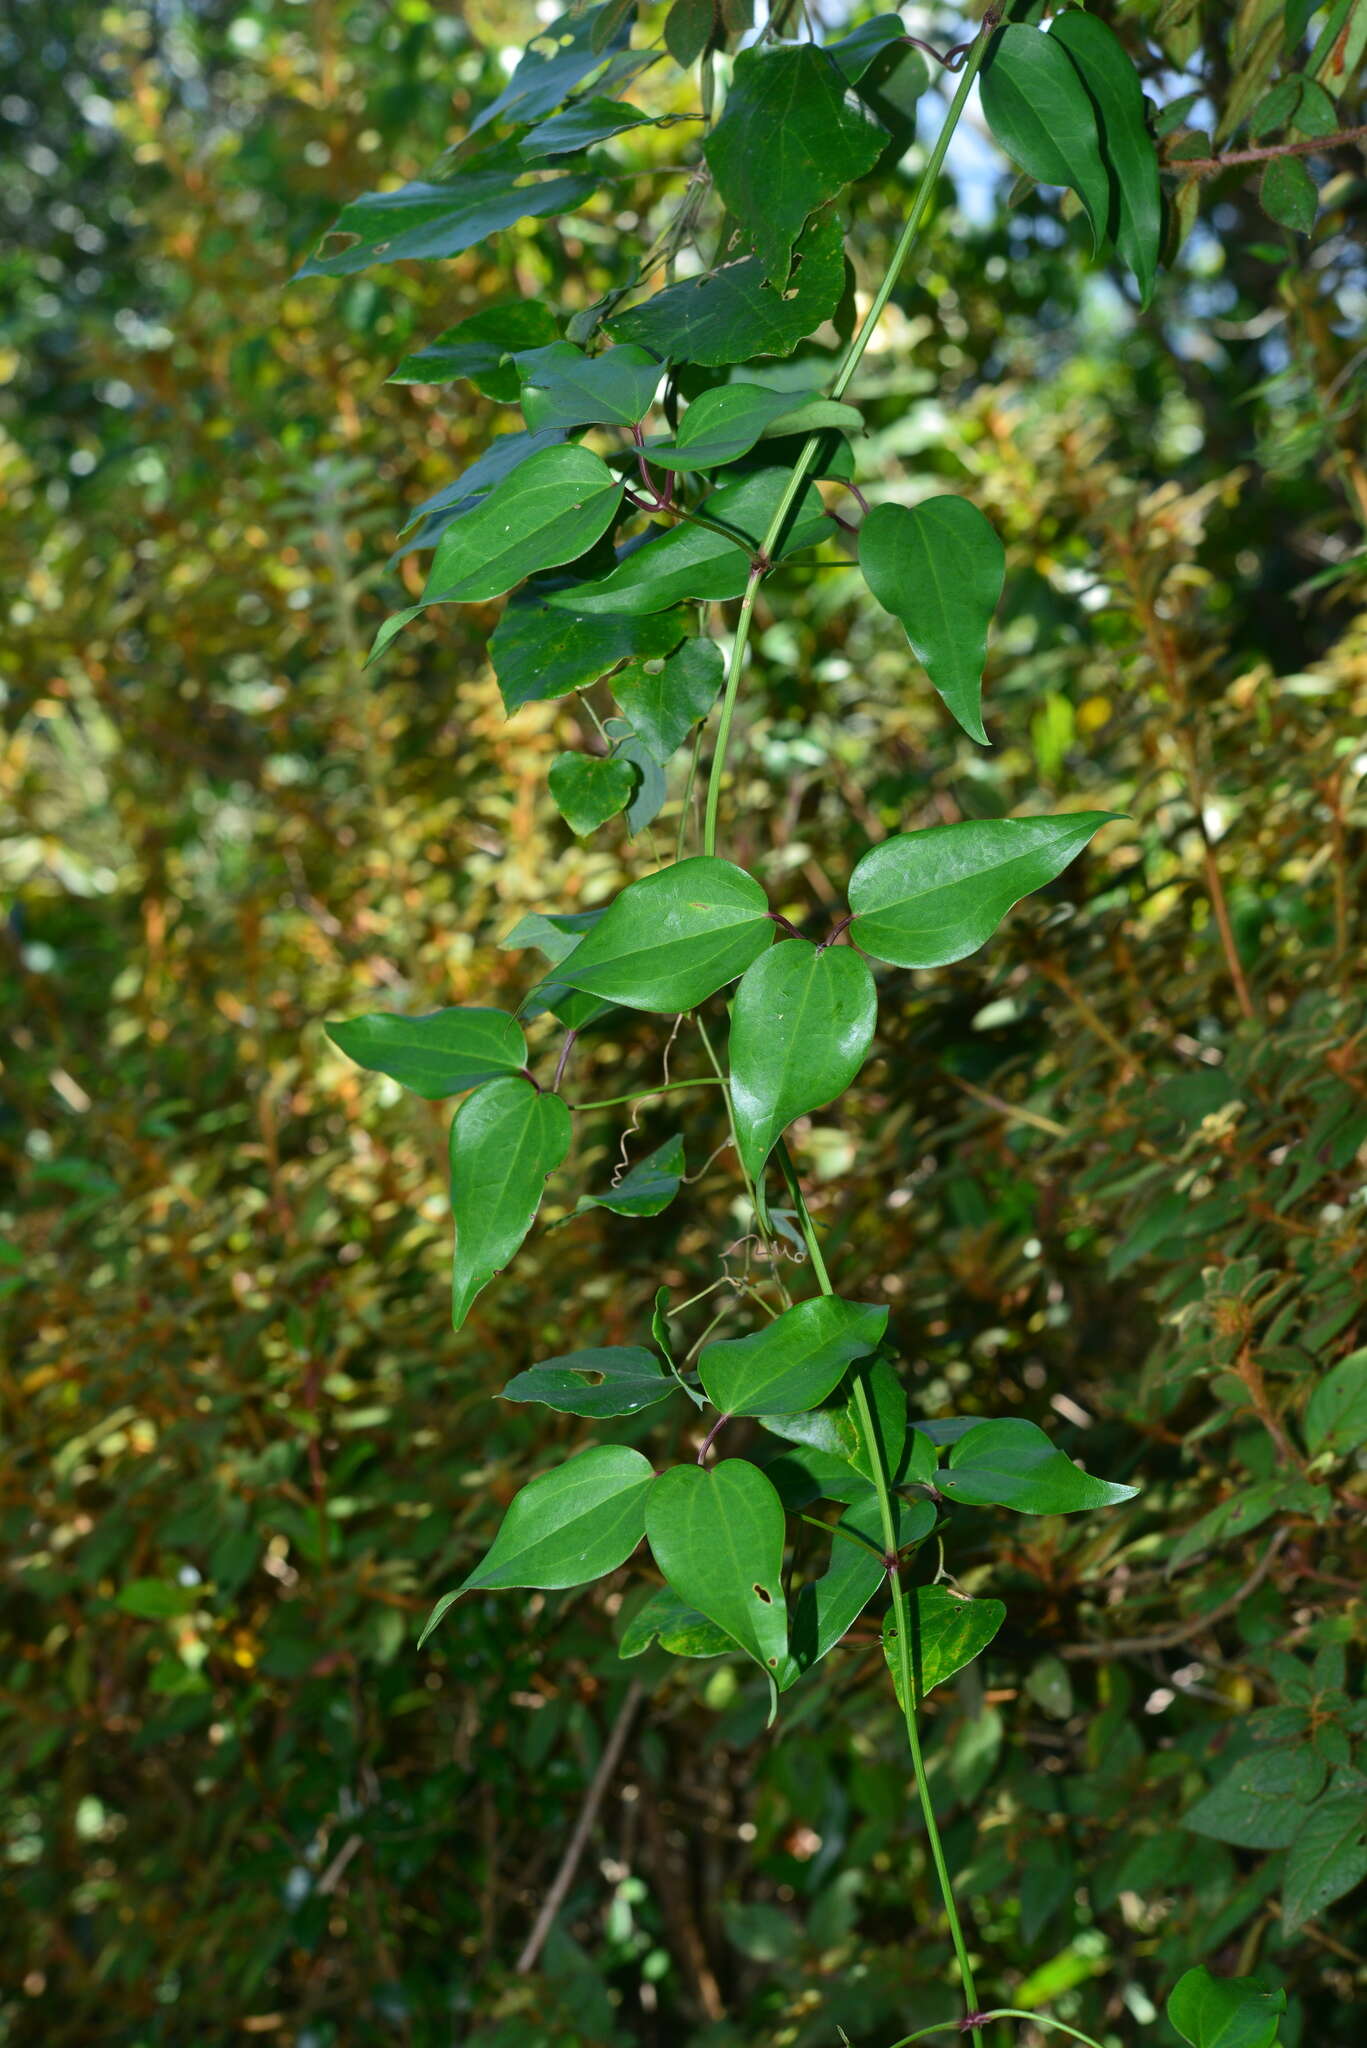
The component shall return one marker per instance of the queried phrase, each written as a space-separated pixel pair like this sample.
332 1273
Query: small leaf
947 1632
723 424
1329 1854
1336 1417
795 1361
649 1187
718 1538
579 126
1040 112
563 387
649 788
674 938
548 512
664 697
1012 1464
440 1054
505 1140
923 899
939 568
479 349
733 314
1262 1801
588 789
801 1026
1127 149
1225 2012
539 650
679 1629
1289 194
157 1599
689 28
619 1380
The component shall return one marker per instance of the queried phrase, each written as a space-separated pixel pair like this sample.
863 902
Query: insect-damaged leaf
718 1538
939 568
665 697
440 1054
801 1025
539 650
615 1380
504 1141
674 938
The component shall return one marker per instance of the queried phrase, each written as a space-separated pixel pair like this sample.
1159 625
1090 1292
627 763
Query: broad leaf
440 1054
647 1188
1040 112
922 899
939 568
505 1140
855 52
692 562
947 1632
505 453
833 1431
718 1538
588 789
619 1380
1329 1854
1117 97
1225 2012
722 425
565 1528
1261 1802
1012 1464
664 697
795 1361
558 58
802 1475
801 1026
540 650
679 1629
789 139
734 314
479 349
563 387
1336 1415
548 512
650 788
674 938
579 126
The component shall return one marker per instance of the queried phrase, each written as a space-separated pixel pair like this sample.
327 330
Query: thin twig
1174 1638
583 1828
1211 166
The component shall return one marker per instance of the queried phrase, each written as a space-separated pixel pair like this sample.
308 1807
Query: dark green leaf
620 1380
562 387
1126 145
548 512
556 936
539 650
947 1632
726 423
588 789
558 58
939 568
789 140
689 28
477 348
923 899
649 788
440 1054
828 1607
1261 1801
679 1629
579 126
734 314
801 1026
1225 2012
795 1361
718 1538
801 1476
893 1443
1012 1464
664 697
1289 194
1336 1417
505 453
649 1187
855 52
505 1140
1040 112
1329 1854
674 938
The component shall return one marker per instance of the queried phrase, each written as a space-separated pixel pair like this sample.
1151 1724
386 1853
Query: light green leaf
674 938
679 1629
801 1026
1012 1464
440 1054
540 650
733 314
480 349
649 1187
505 1140
1289 194
1329 1854
549 511
1225 2012
1262 1800
563 387
1127 150
620 1379
793 1362
1040 112
723 424
664 697
579 126
718 1538
923 899
947 1632
789 139
1336 1417
939 568
588 789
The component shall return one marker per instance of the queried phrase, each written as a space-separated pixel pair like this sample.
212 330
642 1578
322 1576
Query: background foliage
243 1451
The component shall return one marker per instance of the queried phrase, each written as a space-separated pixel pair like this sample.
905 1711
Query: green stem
728 704
901 1620
640 1094
1002 2012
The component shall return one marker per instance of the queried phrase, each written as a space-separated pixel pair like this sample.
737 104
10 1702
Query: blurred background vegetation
1108 1173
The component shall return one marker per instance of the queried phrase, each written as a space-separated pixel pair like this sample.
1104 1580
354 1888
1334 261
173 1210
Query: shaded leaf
539 650
588 789
648 1187
563 387
1329 1854
579 126
801 1026
1012 1464
440 1054
939 568
723 424
734 314
505 1140
479 349
681 1630
1289 194
1261 1802
1127 149
1040 112
1225 2012
616 1380
558 58
718 1538
689 27
674 938
1336 1416
793 1362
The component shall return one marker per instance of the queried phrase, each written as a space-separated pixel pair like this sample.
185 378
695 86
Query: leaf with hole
579 126
620 1379
539 650
443 1053
1225 2012
1042 115
1012 1464
563 387
1112 84
674 938
793 1362
801 1026
939 568
665 696
649 1187
548 512
923 899
481 349
718 1538
588 789
505 1140
947 1632
733 313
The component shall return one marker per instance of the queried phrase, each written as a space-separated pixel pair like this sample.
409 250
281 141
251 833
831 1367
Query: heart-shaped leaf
649 1187
734 314
505 1140
563 387
939 568
718 1538
1225 2012
665 698
588 789
540 650
1112 84
947 1632
923 899
1040 112
674 938
1012 1464
440 1054
801 1025
795 1361
549 511
619 1380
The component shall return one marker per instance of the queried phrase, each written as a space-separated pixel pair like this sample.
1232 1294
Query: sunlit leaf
801 1026
674 938
1012 1464
505 1140
947 1632
794 1361
618 1380
549 511
733 313
1042 115
717 1536
939 568
440 1054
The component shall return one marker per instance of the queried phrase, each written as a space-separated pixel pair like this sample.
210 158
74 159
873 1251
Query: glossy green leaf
827 1608
793 1362
801 1026
505 1140
440 1054
717 1536
923 899
681 1630
1225 2012
1042 115
1127 149
665 696
1336 1415
833 1430
855 52
539 650
674 938
505 453
1328 1857
481 348
802 1475
939 568
648 1187
692 562
548 512
557 59
588 789
723 424
1012 1464
733 314
1289 194
555 935
618 1380
563 387
790 138
947 1632
579 126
